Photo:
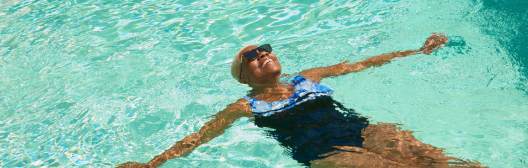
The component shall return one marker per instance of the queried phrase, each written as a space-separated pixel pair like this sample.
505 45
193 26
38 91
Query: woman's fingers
435 41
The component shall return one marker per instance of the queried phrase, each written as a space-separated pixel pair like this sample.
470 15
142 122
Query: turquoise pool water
93 83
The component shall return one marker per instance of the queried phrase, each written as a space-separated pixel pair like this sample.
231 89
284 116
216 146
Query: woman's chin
273 70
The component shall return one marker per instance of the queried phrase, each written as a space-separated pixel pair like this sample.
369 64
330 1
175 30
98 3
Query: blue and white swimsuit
304 90
310 122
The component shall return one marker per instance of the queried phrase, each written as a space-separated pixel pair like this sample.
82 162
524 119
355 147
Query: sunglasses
252 55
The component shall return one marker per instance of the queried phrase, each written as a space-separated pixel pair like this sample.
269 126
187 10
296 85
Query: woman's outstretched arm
213 128
433 42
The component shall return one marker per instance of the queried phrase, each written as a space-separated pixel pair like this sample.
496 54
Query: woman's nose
262 55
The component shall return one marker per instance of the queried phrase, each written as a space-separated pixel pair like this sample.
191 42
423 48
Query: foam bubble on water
36 163
97 29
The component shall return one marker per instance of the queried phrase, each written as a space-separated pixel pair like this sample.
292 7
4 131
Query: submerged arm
210 130
435 41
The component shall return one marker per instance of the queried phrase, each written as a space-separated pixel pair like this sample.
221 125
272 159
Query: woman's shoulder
296 78
240 106
305 84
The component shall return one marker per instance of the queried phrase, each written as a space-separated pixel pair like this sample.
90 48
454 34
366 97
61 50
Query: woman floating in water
319 131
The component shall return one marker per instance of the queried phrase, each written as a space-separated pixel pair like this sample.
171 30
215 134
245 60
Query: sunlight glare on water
97 83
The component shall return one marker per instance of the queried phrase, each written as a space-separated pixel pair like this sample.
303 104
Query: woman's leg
385 145
400 146
348 156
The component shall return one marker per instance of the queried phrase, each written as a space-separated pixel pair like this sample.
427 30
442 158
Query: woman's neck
265 88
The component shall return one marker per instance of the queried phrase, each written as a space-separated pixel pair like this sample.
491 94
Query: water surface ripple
93 83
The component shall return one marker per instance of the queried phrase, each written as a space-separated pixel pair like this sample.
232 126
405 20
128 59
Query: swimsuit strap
305 90
249 99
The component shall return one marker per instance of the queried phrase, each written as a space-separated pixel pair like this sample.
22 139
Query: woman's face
265 68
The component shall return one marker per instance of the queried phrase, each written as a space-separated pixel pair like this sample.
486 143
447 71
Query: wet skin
262 75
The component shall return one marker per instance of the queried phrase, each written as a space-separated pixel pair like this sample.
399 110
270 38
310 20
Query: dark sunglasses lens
251 55
266 47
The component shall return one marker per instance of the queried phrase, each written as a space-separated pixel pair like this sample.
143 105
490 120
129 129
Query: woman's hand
133 165
433 42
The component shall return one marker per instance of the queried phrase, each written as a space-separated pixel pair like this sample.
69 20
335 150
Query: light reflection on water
96 83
